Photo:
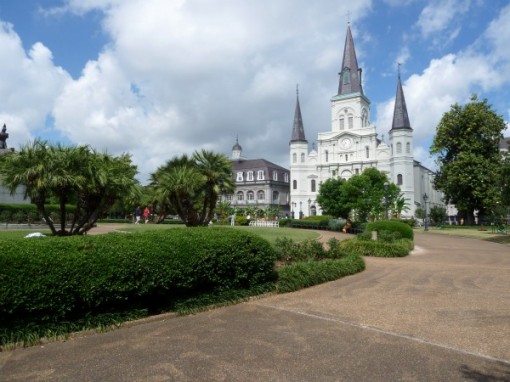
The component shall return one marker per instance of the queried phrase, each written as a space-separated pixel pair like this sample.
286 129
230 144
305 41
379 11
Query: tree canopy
466 146
91 181
364 196
191 185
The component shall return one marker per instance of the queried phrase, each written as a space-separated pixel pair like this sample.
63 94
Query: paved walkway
440 314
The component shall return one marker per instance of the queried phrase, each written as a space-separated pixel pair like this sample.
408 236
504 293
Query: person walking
146 214
138 214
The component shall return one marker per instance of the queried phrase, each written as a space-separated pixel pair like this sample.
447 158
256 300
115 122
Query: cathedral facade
352 145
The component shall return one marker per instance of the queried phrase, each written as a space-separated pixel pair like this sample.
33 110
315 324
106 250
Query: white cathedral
352 145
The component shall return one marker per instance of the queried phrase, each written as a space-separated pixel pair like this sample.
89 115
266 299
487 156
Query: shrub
398 248
391 226
50 279
305 274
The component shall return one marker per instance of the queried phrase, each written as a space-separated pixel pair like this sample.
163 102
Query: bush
405 230
305 274
376 248
308 250
59 278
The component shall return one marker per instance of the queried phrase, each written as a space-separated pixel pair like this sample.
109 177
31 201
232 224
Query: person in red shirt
146 214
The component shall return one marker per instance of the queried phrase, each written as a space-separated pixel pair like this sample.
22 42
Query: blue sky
158 78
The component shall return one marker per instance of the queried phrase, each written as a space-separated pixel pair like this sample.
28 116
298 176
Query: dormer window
347 76
260 175
275 175
239 177
250 176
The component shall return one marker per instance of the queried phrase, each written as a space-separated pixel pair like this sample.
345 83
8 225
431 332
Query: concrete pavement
440 314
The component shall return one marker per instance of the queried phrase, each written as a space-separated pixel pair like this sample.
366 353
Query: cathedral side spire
298 130
350 74
400 116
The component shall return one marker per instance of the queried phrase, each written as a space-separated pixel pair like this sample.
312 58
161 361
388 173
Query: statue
3 138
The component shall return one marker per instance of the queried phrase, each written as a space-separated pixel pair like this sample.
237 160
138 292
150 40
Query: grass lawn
270 234
473 232
19 234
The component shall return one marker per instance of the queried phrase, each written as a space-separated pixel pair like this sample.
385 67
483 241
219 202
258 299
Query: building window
399 179
250 176
312 185
250 195
346 157
364 118
342 123
240 196
294 184
367 152
239 177
229 198
356 171
276 196
286 177
260 175
351 122
399 148
275 175
294 158
326 153
261 195
408 148
334 172
302 157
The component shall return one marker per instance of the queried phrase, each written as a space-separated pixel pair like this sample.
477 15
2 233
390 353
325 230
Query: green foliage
438 214
50 280
305 274
377 248
191 185
467 149
419 213
68 175
289 251
405 231
331 199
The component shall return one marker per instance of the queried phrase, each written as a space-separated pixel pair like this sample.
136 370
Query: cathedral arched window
312 185
276 196
240 195
326 153
399 179
342 123
346 157
367 152
351 121
399 148
294 184
364 118
302 157
261 195
408 148
250 195
294 158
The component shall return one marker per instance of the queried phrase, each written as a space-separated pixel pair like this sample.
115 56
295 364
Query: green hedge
24 213
376 248
305 274
404 229
50 279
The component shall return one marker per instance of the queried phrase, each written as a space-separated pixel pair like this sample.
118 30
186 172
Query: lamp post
300 209
386 199
293 208
309 205
425 197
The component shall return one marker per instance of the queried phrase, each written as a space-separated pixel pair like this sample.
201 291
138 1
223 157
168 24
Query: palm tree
192 185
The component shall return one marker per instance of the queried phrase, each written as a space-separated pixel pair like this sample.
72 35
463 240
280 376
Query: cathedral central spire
350 74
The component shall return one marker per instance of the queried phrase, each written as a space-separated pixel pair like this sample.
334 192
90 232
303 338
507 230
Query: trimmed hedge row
305 274
50 279
376 248
404 229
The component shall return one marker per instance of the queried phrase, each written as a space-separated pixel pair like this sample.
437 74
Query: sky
161 78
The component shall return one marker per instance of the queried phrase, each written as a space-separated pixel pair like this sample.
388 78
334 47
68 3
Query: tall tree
468 158
331 198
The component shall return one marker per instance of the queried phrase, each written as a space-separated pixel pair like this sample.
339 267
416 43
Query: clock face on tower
346 143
